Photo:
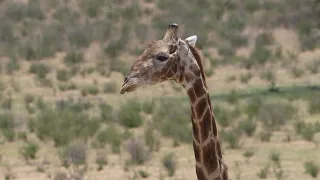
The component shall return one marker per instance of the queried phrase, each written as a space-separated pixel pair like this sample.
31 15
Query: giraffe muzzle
129 85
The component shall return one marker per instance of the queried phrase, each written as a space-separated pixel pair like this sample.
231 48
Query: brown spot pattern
196 152
219 153
205 125
210 160
200 174
195 69
191 95
195 131
201 107
199 88
189 77
214 128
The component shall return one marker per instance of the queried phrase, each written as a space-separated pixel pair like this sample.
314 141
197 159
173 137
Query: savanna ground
62 64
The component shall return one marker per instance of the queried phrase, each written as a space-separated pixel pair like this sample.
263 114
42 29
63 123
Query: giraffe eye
162 58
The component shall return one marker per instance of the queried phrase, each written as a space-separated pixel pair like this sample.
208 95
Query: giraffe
174 59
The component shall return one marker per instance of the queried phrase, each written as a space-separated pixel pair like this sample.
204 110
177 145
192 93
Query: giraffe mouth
127 88
128 85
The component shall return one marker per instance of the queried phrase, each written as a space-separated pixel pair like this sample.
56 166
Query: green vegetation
173 118
110 136
312 168
263 173
131 118
101 160
58 123
137 150
29 150
75 154
169 162
7 126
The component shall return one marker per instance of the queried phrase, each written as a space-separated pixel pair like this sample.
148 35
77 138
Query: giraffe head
162 60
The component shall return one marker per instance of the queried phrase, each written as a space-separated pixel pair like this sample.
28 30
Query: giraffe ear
192 40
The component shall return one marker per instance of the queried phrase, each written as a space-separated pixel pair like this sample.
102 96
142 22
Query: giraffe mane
199 61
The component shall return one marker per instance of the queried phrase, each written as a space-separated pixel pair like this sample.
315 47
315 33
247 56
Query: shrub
170 163
35 11
231 78
7 126
8 173
248 153
129 114
314 105
29 150
226 50
253 107
28 98
40 69
45 82
73 58
275 114
60 176
110 87
148 106
22 135
222 116
6 121
260 55
111 136
307 130
252 5
151 140
137 151
40 103
264 39
232 97
268 75
314 66
89 89
297 71
119 66
79 35
248 126
106 112
265 135
59 125
275 157
63 75
312 168
31 125
67 86
143 174
172 119
232 137
16 11
101 160
12 66
92 8
208 72
263 173
9 134
113 49
7 103
75 153
245 78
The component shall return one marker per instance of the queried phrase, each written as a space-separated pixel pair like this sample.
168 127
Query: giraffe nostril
125 79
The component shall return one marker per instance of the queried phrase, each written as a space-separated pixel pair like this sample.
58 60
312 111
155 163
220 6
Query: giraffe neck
208 156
